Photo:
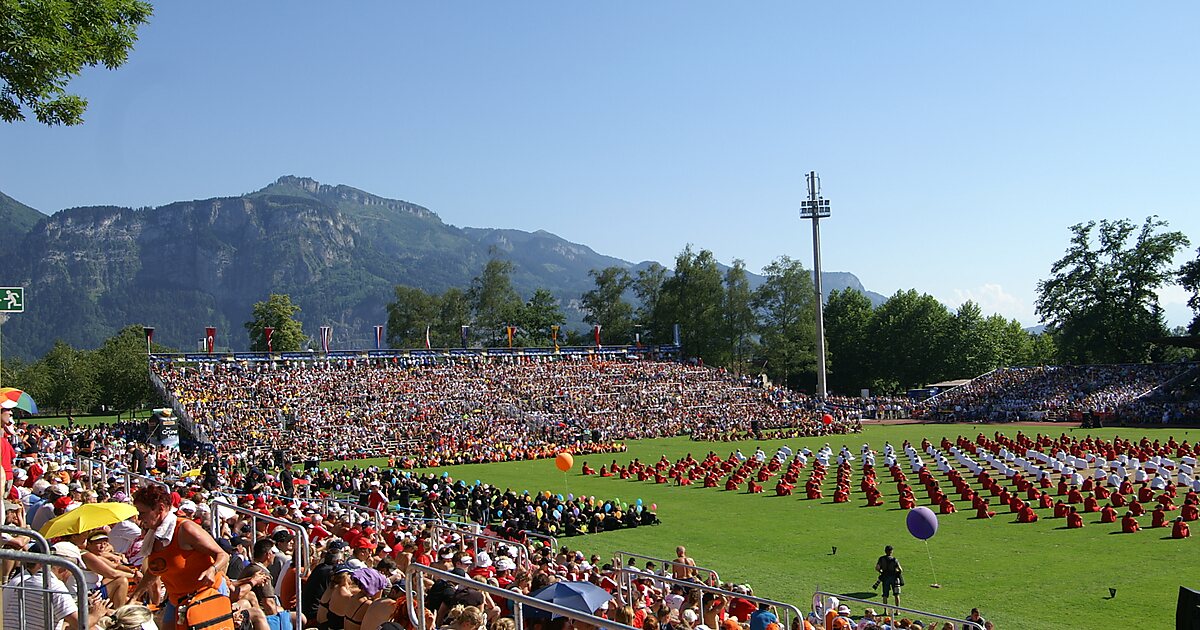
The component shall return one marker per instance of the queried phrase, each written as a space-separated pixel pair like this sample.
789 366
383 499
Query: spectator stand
821 605
626 577
43 591
440 531
622 558
414 593
932 401
299 555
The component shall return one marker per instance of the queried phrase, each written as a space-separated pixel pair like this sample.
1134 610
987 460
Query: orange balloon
564 461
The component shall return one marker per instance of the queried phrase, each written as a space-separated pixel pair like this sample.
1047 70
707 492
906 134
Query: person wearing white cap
843 620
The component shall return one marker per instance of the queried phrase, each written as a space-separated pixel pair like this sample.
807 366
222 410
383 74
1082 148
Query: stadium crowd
480 410
161 566
1055 392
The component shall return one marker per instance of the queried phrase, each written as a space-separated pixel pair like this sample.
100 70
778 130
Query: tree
647 286
692 297
738 317
910 335
454 312
848 316
786 307
276 312
539 315
72 379
605 305
1100 304
121 371
494 300
1189 277
975 343
409 316
44 43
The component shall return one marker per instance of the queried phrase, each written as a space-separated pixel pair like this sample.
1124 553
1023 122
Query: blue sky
957 141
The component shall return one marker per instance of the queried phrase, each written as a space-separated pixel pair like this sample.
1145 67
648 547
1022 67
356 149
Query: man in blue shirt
763 617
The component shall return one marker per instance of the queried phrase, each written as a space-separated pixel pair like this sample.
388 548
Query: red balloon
564 461
827 419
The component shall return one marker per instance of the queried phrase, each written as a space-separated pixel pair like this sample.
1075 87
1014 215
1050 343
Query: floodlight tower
816 208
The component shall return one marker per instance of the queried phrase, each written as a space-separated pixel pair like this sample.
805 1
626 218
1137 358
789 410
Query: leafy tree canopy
44 43
276 312
1100 303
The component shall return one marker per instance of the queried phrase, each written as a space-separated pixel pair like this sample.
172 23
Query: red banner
597 335
210 339
267 330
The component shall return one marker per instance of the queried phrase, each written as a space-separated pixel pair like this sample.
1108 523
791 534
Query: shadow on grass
860 595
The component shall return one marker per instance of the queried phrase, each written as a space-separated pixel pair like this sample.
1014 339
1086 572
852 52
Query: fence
92 467
333 505
299 554
43 591
622 558
523 560
820 605
545 538
626 576
136 480
414 595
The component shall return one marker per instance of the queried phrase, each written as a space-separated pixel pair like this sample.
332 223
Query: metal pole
816 225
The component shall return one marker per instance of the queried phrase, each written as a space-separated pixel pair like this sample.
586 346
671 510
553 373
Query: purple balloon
922 523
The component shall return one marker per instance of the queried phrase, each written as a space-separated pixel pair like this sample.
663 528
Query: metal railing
88 466
350 506
44 548
44 592
524 559
912 611
622 557
134 480
414 595
546 538
627 576
299 554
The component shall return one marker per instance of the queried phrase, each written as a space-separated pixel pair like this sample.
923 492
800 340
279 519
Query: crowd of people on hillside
1056 392
487 410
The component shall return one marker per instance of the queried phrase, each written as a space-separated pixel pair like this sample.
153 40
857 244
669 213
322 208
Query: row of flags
326 336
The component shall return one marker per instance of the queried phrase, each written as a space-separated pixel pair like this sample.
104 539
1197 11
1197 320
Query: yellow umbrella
87 517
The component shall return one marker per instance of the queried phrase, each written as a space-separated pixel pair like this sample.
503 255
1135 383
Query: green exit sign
12 299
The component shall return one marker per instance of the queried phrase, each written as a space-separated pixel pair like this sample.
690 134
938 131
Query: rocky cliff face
338 251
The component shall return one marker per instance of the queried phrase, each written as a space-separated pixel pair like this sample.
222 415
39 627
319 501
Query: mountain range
336 250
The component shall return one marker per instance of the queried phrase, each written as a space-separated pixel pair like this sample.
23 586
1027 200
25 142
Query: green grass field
81 420
1019 575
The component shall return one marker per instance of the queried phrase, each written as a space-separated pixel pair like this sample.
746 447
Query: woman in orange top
187 560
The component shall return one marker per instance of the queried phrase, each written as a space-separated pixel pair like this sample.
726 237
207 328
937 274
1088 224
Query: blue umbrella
582 596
